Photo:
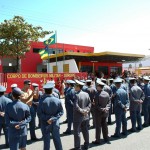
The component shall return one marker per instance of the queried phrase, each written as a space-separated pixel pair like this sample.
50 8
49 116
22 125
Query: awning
99 57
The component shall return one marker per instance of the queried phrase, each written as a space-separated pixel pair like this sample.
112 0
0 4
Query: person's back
3 103
17 117
91 91
81 109
82 102
50 110
108 90
17 111
121 98
50 107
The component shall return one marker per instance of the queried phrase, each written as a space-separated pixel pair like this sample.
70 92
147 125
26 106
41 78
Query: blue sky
107 25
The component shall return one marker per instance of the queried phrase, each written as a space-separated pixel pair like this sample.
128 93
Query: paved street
134 141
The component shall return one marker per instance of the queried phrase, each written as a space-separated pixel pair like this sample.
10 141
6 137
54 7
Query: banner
40 78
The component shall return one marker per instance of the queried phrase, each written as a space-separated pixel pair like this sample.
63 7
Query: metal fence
3 79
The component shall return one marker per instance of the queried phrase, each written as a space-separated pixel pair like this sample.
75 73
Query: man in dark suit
102 106
136 97
81 111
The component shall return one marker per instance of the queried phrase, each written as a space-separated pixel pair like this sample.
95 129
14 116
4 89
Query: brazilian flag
43 53
50 41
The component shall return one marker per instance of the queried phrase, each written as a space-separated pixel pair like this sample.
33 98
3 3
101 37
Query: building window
116 70
103 69
88 69
70 50
66 68
36 50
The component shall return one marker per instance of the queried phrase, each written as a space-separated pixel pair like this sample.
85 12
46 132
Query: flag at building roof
50 41
43 53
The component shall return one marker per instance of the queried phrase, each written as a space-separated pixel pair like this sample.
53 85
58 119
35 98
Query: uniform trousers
136 117
5 130
69 117
35 113
17 142
93 114
52 129
101 123
146 111
83 126
32 123
120 116
110 112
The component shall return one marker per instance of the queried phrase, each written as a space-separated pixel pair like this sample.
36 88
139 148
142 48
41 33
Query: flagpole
48 60
63 58
63 55
56 48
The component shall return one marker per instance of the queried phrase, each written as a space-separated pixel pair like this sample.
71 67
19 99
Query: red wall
31 60
97 64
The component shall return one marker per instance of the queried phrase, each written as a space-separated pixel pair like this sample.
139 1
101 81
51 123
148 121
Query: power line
53 23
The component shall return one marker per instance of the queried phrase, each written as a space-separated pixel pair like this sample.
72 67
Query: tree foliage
15 37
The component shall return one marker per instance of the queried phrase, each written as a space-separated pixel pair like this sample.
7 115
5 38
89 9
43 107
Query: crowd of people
99 97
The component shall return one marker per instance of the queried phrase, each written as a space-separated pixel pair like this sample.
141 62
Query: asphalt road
134 141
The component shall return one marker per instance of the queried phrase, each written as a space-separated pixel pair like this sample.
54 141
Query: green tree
15 37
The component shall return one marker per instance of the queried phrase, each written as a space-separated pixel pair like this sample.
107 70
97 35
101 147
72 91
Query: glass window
86 69
116 69
70 50
36 50
103 69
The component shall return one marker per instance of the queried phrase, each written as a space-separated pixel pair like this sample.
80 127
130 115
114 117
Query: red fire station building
86 59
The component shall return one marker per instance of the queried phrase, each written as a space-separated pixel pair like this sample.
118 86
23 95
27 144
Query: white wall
145 63
72 66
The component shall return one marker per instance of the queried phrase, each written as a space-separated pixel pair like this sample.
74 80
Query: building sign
40 78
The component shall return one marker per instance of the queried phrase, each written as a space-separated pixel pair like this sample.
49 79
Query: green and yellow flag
43 53
50 41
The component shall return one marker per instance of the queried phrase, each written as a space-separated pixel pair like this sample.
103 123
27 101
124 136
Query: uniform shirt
65 90
70 96
108 90
114 89
124 86
112 86
56 91
141 85
50 107
3 103
84 88
91 91
121 99
136 93
102 100
147 91
17 113
82 103
10 96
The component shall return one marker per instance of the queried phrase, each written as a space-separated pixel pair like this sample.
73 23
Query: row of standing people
10 120
78 107
118 97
